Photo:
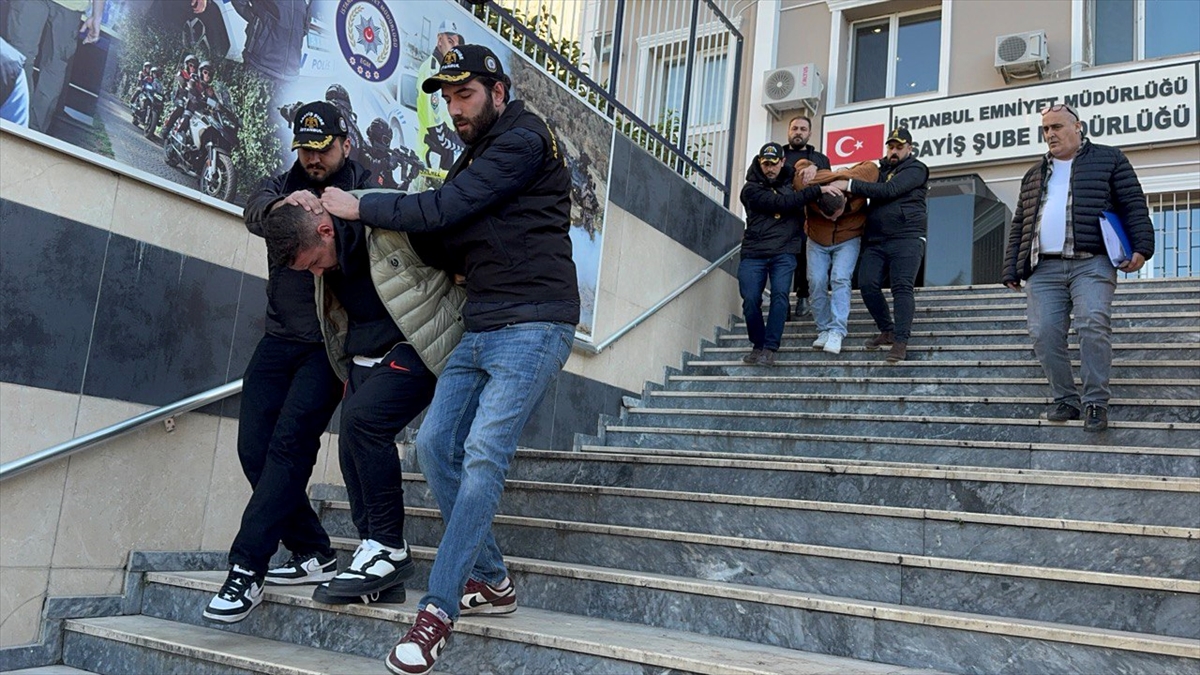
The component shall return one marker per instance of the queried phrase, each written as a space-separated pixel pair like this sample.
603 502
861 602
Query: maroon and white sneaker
421 646
480 598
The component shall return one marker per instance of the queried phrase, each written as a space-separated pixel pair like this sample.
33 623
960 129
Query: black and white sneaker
241 593
374 568
395 595
307 568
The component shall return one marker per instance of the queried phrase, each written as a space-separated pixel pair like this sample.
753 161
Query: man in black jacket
1057 247
893 241
505 211
798 148
774 233
290 390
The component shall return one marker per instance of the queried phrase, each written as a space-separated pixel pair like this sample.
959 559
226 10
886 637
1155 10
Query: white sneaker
241 593
834 344
822 338
309 568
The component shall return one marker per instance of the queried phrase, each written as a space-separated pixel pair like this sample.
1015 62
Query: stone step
1120 433
882 385
803 335
1170 351
1015 306
1072 457
136 645
1081 545
1012 321
1182 293
788 366
532 640
1015 407
1145 500
50 670
1151 605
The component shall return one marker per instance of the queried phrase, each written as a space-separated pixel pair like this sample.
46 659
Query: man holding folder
1056 245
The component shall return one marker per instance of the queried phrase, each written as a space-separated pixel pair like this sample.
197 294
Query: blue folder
1116 242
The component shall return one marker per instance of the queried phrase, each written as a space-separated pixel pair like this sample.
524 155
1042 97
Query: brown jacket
850 224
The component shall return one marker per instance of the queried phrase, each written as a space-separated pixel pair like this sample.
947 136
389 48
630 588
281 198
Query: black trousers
288 397
800 278
380 401
899 260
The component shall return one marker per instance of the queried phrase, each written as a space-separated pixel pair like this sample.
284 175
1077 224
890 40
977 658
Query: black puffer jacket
505 211
1101 180
897 208
291 307
774 213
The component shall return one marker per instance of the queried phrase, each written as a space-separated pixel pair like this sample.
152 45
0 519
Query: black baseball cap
316 124
462 63
900 134
771 153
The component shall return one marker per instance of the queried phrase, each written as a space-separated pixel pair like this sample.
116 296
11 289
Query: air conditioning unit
792 87
1022 55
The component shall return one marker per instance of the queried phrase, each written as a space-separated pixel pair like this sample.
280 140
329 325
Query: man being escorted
1056 246
290 390
773 238
505 212
798 149
893 241
389 321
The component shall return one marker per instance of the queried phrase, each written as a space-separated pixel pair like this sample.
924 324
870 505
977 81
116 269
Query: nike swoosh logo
474 600
395 366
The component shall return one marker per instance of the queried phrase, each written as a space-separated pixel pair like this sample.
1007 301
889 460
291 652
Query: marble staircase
832 514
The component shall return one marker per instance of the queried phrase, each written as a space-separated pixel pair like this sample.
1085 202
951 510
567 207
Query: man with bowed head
1057 248
504 211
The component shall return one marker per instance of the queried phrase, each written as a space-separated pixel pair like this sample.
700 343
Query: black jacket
897 208
1101 180
291 307
505 209
275 32
774 213
792 155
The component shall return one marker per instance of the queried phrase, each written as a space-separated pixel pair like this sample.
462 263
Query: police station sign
1128 109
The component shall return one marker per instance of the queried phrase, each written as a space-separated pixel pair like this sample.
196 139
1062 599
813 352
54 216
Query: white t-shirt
1053 233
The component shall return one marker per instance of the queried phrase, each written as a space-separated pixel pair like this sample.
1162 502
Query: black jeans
899 260
800 279
380 401
288 397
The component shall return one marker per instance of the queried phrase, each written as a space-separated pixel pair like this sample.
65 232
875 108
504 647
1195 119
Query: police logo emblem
369 38
311 121
451 57
490 64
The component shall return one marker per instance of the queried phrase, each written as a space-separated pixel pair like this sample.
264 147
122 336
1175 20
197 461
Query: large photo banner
201 94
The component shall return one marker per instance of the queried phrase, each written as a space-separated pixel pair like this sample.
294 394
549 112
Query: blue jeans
1057 288
831 266
752 279
491 385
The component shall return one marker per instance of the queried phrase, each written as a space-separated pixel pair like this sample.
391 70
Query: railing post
687 82
614 65
733 116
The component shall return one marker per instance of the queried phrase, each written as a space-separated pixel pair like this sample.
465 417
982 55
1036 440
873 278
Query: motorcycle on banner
201 146
148 104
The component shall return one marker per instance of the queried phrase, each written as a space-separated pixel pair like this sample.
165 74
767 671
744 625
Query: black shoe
1095 418
241 593
1063 412
304 568
768 358
395 594
753 357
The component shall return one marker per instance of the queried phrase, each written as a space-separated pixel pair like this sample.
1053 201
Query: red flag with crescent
850 146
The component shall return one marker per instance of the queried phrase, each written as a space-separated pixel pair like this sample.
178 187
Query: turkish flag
851 146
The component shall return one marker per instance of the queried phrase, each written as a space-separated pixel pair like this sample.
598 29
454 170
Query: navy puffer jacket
1102 179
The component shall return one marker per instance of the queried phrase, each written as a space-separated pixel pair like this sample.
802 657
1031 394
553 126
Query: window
1176 218
1132 30
896 55
710 84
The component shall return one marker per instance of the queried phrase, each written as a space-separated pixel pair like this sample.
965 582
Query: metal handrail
28 462
590 348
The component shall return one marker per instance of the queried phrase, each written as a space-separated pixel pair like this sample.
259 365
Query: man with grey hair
1056 247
